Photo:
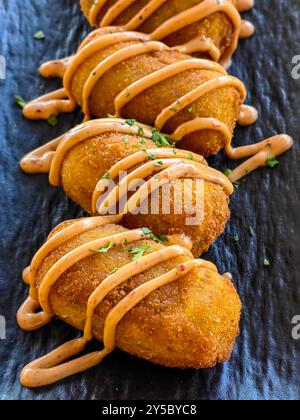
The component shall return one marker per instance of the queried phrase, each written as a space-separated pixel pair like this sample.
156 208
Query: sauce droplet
247 29
248 115
244 5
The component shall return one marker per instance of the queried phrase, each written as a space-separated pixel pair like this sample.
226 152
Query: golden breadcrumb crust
190 323
222 103
89 161
217 27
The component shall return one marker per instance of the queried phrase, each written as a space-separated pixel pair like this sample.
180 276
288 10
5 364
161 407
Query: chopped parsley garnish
139 251
53 121
160 140
104 250
39 35
148 232
266 263
20 102
141 131
227 172
130 122
151 156
272 161
251 230
106 175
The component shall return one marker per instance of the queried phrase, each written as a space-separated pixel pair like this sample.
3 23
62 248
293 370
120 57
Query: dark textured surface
266 360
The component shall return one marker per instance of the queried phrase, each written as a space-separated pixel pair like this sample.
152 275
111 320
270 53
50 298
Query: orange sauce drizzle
55 68
200 44
261 153
165 166
244 5
186 164
54 367
177 22
53 103
115 59
248 115
99 41
46 159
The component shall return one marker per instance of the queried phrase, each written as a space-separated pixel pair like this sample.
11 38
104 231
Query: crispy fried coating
223 103
217 27
190 323
87 162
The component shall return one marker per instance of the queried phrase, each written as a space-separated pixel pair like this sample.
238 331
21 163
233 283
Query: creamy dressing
53 367
180 21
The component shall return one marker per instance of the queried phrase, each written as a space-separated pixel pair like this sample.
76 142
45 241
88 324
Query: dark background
266 360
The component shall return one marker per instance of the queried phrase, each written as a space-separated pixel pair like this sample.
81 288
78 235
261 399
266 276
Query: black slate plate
266 360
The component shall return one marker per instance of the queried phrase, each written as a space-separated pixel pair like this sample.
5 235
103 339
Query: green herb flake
131 122
148 232
20 102
39 36
151 157
160 140
106 175
272 161
139 251
227 172
251 230
52 120
141 131
190 156
104 250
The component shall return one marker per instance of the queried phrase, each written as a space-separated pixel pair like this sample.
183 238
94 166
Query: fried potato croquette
184 199
207 29
132 292
126 75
